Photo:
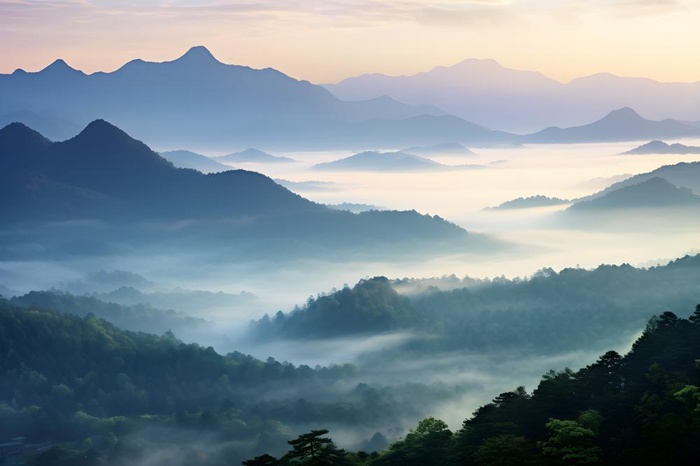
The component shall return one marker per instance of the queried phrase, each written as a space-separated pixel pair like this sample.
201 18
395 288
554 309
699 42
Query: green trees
314 449
429 444
311 448
574 442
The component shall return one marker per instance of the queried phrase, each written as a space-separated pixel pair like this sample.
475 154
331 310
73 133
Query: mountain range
448 148
660 147
254 156
193 160
489 94
683 174
538 200
623 124
653 192
103 192
386 161
197 101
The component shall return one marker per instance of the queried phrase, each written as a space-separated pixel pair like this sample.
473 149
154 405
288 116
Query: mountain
653 192
489 94
253 155
660 147
196 100
103 192
449 148
385 161
307 186
529 202
684 174
199 162
619 125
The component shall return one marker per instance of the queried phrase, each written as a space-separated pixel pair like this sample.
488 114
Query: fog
535 237
446 385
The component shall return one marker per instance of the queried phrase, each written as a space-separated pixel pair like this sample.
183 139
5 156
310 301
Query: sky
325 41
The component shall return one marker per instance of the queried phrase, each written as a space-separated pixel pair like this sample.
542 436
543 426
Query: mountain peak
59 66
624 113
100 134
198 54
102 128
19 132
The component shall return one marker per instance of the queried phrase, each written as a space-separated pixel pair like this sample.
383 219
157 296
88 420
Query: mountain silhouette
197 100
619 125
683 174
529 202
489 94
651 193
660 147
193 160
384 161
448 148
104 191
253 155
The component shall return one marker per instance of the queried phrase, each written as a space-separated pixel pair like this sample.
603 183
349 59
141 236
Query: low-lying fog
563 171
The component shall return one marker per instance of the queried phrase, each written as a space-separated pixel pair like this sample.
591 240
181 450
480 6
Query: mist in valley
411 378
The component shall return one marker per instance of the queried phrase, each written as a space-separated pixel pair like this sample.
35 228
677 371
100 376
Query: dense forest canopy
73 380
643 408
548 312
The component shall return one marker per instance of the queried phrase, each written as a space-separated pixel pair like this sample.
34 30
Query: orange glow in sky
324 41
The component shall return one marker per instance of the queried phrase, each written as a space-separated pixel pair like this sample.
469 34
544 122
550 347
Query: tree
504 450
263 460
428 444
695 317
312 448
574 442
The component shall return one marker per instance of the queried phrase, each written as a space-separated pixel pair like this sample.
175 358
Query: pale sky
324 41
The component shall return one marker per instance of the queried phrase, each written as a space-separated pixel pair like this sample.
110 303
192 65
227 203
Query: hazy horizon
324 42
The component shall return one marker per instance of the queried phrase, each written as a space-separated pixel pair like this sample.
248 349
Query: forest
112 384
106 396
531 314
641 408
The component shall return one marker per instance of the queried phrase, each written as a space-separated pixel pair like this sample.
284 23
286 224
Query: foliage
642 408
548 313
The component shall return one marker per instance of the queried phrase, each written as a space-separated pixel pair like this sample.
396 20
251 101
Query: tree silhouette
312 448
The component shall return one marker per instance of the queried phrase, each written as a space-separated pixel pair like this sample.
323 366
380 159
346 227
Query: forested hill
548 312
64 378
123 398
641 409
370 306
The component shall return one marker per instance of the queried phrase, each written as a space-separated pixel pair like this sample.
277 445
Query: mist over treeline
82 382
641 408
545 313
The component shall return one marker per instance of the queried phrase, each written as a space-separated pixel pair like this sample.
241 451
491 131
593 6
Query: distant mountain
307 186
386 161
529 202
652 193
196 100
489 94
449 148
684 174
660 147
55 127
252 155
103 192
355 207
619 125
199 162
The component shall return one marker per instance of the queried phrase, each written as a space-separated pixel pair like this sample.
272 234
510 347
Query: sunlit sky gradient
325 41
